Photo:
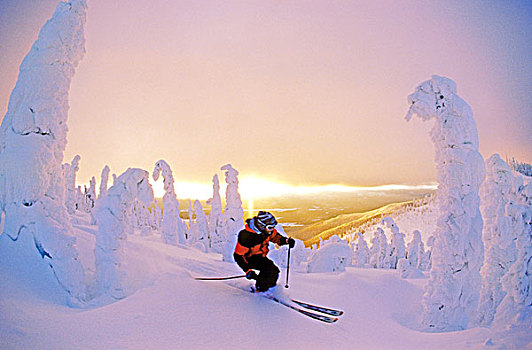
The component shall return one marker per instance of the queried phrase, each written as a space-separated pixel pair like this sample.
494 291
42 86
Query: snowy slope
167 309
343 223
409 216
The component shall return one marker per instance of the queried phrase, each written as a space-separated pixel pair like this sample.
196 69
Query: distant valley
308 217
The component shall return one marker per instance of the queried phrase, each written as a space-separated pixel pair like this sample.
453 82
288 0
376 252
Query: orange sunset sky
300 92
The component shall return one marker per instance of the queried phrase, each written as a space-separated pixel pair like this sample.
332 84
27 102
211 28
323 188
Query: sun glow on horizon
251 188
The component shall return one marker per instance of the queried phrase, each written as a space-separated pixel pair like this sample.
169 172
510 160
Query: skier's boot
274 292
261 291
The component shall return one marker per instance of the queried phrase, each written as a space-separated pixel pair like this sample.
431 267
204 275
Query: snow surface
168 309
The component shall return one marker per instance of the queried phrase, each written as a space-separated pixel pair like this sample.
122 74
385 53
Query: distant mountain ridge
345 223
410 215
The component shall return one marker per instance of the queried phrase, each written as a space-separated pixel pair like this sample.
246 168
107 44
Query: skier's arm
239 259
240 251
282 240
277 238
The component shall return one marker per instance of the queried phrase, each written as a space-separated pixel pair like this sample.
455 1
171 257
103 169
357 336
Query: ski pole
218 278
287 268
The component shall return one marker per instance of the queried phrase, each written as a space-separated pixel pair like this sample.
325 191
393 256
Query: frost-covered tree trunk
234 214
451 296
32 142
104 179
500 251
173 230
516 307
215 216
112 213
70 176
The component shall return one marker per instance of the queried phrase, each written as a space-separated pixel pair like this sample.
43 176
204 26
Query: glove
291 242
251 275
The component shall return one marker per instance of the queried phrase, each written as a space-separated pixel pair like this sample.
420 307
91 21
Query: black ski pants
268 272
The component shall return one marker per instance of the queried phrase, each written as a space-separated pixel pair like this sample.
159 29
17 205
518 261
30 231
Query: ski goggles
268 227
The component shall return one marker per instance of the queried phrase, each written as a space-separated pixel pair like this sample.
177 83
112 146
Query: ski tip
329 319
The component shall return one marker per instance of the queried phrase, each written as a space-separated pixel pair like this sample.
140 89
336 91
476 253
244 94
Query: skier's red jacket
251 243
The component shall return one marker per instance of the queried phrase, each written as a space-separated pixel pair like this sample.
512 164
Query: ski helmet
265 221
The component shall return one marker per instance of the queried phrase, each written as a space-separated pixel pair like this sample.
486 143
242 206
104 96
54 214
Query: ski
321 309
302 310
323 318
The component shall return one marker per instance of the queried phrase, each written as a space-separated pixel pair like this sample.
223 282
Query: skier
252 247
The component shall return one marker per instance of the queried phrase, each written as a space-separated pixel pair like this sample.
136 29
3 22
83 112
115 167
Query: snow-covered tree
379 250
112 213
199 227
202 224
374 249
70 171
104 179
233 214
190 220
91 193
156 218
334 255
299 255
516 307
451 296
499 244
193 231
32 142
522 168
79 199
141 218
173 228
426 261
86 196
415 250
215 216
361 254
396 249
